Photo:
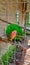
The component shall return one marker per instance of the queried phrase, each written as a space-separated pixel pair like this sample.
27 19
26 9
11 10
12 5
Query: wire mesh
9 16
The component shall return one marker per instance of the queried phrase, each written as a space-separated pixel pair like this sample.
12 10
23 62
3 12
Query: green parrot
18 32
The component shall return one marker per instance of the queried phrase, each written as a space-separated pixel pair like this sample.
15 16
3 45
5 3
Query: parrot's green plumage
12 27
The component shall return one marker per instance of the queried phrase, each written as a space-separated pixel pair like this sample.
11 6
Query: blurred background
17 12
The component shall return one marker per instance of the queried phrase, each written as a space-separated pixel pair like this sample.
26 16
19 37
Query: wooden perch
2 40
16 44
5 21
10 23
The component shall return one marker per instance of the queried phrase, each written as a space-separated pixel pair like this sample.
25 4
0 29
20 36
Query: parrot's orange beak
13 34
